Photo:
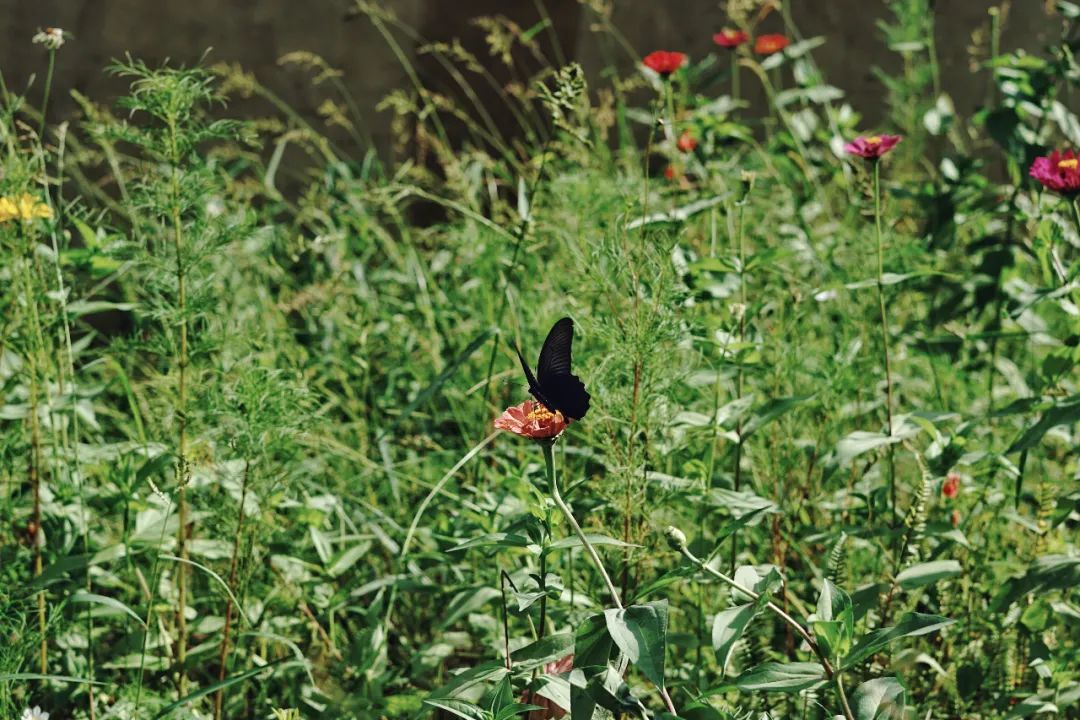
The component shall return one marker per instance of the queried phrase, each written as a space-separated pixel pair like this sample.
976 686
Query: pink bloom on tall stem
664 62
532 420
549 710
872 147
770 44
730 38
1059 172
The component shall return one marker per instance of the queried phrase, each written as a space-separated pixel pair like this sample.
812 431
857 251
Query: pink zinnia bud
686 142
1059 172
730 38
664 62
872 147
532 420
951 487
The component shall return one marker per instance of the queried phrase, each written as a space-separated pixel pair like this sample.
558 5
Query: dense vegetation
249 375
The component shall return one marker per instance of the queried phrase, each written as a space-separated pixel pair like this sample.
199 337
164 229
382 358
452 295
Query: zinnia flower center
540 413
874 140
1069 164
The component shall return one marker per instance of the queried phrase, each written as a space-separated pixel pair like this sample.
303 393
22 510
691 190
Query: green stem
48 89
884 335
734 75
549 460
830 672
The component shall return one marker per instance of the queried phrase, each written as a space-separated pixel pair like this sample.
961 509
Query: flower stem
830 672
45 99
884 336
549 459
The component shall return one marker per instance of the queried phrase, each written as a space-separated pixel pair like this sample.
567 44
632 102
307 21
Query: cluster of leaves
308 364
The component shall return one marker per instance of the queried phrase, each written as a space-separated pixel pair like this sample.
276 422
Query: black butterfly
554 385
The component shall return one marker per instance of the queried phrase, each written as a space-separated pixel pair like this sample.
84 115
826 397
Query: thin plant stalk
884 336
223 652
181 413
739 378
45 98
832 673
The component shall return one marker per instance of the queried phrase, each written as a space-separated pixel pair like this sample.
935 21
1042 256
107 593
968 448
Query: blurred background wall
256 33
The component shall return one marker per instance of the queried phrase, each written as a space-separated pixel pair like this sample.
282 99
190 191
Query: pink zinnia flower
873 147
549 709
686 142
770 44
951 487
664 62
1059 172
730 38
532 420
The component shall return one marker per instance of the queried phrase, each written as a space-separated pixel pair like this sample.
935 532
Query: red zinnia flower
686 142
1059 172
951 487
873 147
770 44
532 420
729 38
549 709
664 62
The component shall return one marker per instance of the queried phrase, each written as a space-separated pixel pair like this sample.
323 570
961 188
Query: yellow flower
23 207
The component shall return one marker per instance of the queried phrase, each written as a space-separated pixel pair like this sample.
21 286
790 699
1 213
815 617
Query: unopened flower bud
676 538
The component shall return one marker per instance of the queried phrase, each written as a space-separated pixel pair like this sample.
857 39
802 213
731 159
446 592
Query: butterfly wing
559 389
534 385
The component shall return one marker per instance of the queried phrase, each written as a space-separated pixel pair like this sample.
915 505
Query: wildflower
873 147
730 38
532 420
52 38
23 207
955 518
34 714
770 44
1059 172
549 709
686 142
672 172
951 487
664 62
676 538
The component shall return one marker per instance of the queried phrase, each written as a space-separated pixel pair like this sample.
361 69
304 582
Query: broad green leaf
879 699
1063 412
912 625
494 540
573 541
114 604
728 626
214 687
491 671
460 708
640 631
740 503
771 410
860 442
928 573
781 677
1048 572
548 649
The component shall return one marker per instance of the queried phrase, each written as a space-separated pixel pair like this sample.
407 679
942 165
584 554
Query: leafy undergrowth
249 375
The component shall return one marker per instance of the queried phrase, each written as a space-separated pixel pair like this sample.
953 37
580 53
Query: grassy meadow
250 370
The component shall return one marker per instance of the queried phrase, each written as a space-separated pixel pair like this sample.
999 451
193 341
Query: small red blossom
664 62
770 44
549 710
730 38
686 142
532 420
1059 172
951 487
671 172
872 147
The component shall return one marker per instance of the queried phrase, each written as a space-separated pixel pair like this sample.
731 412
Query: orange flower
770 44
686 142
532 420
951 487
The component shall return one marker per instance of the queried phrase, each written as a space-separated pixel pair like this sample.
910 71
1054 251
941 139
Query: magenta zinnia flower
1059 172
664 62
872 147
532 420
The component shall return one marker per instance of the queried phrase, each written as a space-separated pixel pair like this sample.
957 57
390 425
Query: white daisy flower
35 713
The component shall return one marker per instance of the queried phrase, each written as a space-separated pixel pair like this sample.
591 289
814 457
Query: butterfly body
554 385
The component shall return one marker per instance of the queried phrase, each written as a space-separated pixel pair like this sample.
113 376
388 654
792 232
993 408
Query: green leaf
912 625
727 628
460 708
573 541
879 698
928 573
510 540
83 596
1048 572
548 649
640 631
214 687
771 410
1063 412
781 677
491 671
860 442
